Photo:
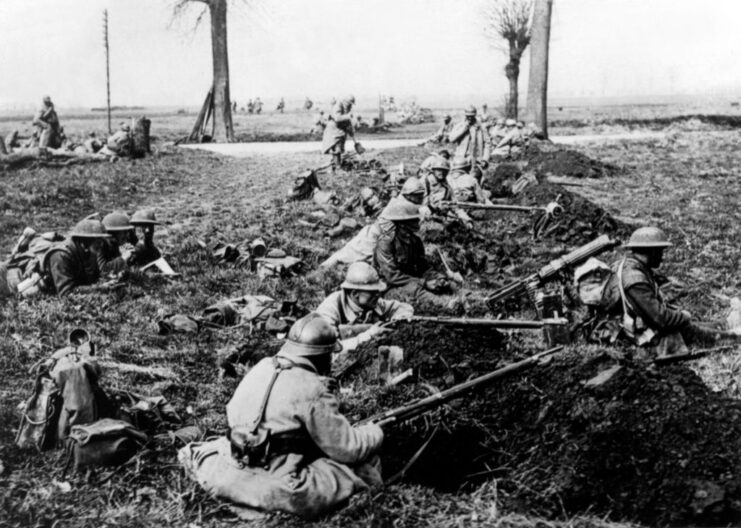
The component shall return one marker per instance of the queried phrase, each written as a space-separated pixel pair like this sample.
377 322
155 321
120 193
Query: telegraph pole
107 68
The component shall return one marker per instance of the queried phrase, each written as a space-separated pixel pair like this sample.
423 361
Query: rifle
553 209
663 361
347 330
424 405
549 271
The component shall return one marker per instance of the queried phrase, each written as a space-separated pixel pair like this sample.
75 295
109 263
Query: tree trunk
512 71
537 89
223 128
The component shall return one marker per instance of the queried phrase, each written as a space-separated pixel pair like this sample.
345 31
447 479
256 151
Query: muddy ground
634 450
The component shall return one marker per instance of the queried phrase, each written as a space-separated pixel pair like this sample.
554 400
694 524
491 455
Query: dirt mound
581 221
688 122
566 162
437 354
656 447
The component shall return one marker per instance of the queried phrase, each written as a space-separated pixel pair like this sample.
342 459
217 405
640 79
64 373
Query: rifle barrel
423 405
492 323
494 207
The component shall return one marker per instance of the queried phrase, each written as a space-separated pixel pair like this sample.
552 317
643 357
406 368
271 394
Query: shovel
454 276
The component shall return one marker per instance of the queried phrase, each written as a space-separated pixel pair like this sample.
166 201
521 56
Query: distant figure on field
250 107
47 126
258 106
281 105
308 104
339 127
442 135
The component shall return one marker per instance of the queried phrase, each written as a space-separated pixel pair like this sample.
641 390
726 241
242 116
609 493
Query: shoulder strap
261 414
623 297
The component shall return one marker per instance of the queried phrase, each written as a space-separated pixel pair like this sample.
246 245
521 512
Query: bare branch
508 21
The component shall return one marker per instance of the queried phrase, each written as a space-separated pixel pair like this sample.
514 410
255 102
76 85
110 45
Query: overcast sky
433 49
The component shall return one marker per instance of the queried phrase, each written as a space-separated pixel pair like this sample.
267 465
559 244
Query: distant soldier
359 303
121 142
308 104
250 107
258 106
485 117
497 131
320 124
471 139
288 447
513 139
47 126
442 135
281 105
234 106
339 128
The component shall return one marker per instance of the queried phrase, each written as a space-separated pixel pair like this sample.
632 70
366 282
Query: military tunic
330 461
339 127
69 266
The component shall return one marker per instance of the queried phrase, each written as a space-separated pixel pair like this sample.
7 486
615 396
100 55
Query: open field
688 182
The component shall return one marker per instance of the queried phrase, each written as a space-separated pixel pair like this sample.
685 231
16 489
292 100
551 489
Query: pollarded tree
219 101
509 20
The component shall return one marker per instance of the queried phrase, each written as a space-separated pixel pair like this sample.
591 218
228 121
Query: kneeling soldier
289 448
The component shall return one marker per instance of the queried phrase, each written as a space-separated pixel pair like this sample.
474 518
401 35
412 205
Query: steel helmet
471 110
89 228
412 186
441 163
349 99
510 122
363 276
312 335
144 217
400 209
648 237
117 221
447 118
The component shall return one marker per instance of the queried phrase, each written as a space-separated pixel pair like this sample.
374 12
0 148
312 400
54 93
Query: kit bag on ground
105 442
66 393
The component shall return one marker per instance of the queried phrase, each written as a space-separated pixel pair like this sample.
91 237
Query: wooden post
107 68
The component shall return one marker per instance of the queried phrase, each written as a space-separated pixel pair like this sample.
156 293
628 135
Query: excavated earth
646 444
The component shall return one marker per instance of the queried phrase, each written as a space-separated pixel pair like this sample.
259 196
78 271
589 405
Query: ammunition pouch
258 449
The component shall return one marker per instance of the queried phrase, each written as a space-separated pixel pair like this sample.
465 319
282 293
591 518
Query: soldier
258 106
110 258
144 251
399 255
281 105
497 131
442 135
339 127
512 141
47 126
250 107
362 246
647 320
466 186
288 448
462 134
360 303
308 104
120 143
72 265
425 167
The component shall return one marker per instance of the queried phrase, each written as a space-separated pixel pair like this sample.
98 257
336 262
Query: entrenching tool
548 213
455 276
424 405
551 270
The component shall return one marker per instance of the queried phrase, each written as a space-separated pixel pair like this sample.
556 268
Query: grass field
687 182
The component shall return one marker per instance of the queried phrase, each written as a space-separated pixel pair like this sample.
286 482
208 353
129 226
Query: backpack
31 256
66 393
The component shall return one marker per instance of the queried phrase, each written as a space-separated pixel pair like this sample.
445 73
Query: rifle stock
579 255
353 330
429 403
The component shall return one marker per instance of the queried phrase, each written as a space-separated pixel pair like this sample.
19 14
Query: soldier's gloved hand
435 285
373 331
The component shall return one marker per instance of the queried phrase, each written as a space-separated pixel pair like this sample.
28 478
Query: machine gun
424 405
549 271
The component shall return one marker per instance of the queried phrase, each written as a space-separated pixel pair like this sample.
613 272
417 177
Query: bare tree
218 102
509 20
537 86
